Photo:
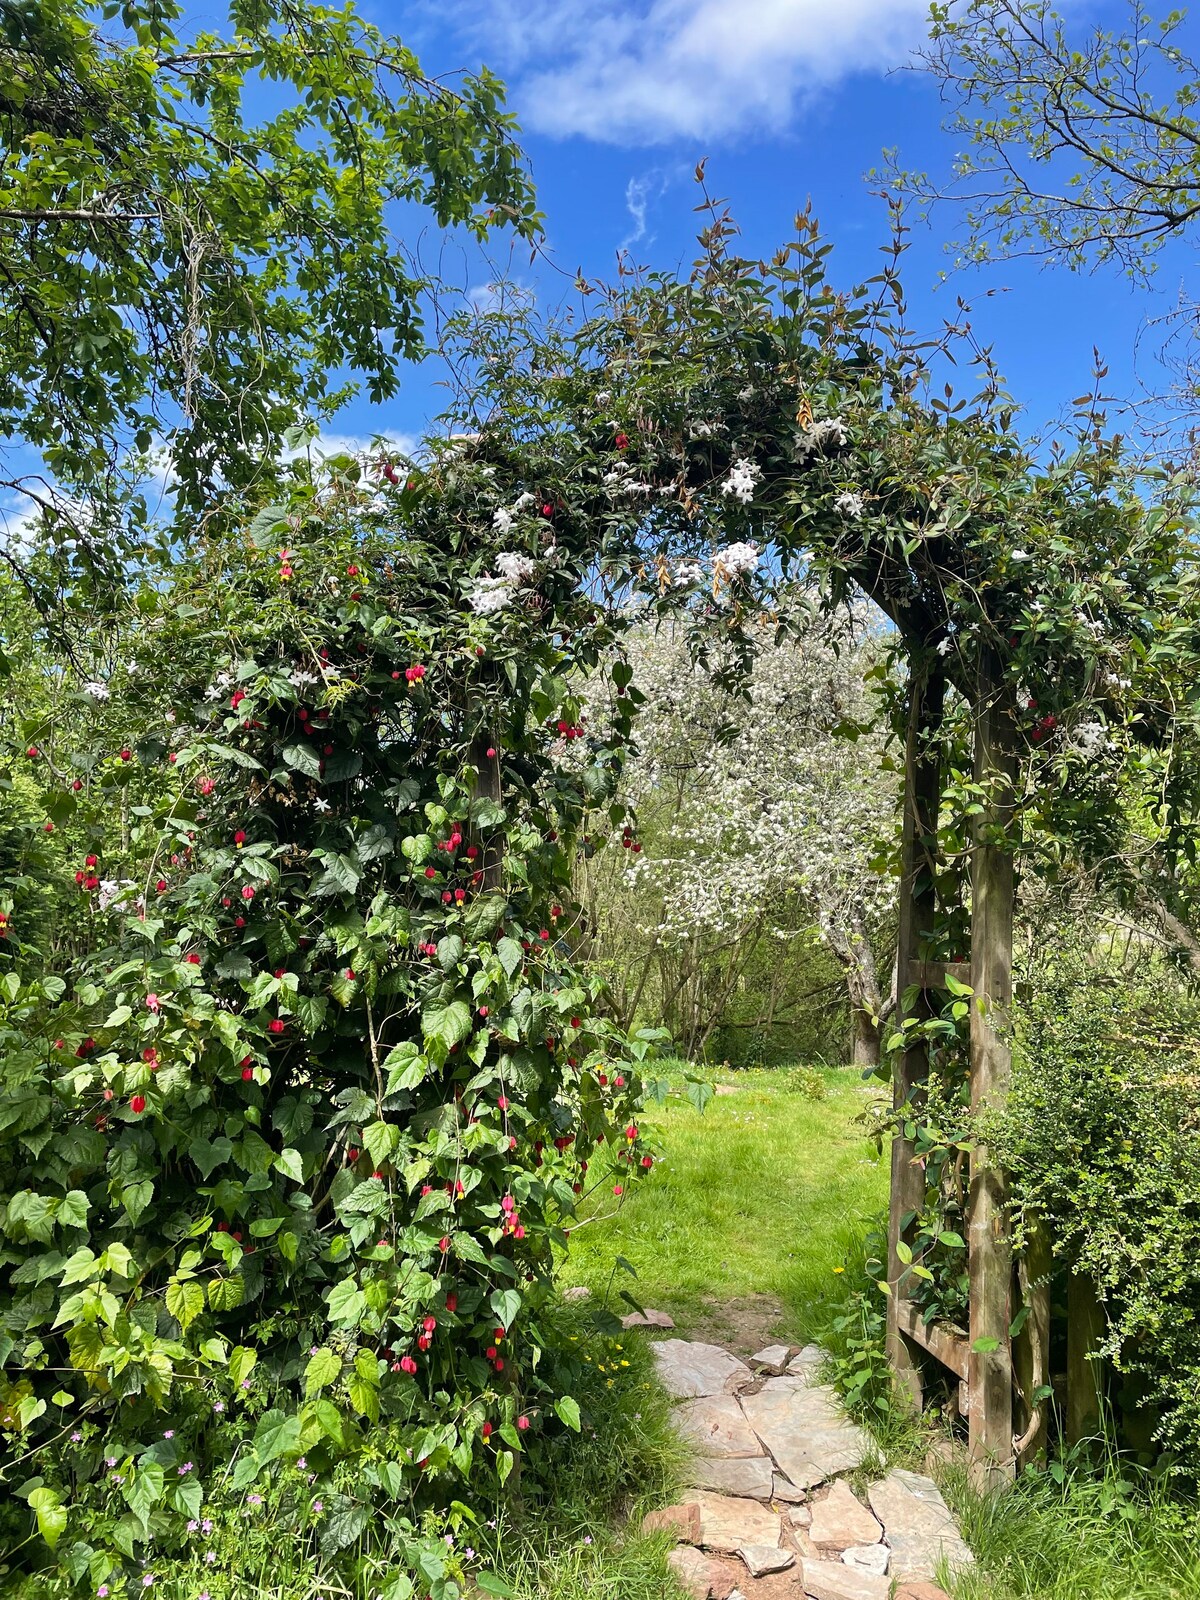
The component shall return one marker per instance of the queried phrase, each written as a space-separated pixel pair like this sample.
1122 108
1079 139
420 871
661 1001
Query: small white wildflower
1021 555
850 505
502 519
523 500
943 648
743 476
820 438
687 574
320 805
515 568
96 690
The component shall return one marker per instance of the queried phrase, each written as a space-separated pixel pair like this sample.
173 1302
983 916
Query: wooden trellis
998 1375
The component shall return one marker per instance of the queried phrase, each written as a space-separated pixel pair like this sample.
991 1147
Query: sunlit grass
762 1194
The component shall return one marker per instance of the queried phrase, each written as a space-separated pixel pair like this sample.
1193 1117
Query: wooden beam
922 792
945 1341
1031 1351
989 1257
933 974
1085 1329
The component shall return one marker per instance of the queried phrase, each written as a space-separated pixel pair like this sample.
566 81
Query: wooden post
922 790
1085 1329
989 1253
1031 1352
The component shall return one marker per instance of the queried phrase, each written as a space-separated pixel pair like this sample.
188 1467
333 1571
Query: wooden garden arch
1002 1378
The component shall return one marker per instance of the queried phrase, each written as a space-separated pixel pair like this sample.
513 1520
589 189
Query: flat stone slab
773 1359
728 1522
918 1525
867 1558
805 1429
807 1362
764 1558
833 1580
717 1426
647 1319
748 1476
688 1370
682 1520
699 1576
920 1590
839 1520
784 1489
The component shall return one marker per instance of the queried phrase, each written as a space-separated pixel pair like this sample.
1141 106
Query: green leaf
381 1140
506 1303
302 758
291 1164
985 1345
493 1583
567 1410
323 1369
277 1434
447 1025
51 1514
72 1213
346 1302
185 1302
511 955
208 1156
136 1197
242 1361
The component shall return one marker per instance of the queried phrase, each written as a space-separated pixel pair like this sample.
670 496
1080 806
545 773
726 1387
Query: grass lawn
751 1208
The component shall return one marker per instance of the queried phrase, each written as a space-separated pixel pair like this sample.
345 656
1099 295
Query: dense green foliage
196 234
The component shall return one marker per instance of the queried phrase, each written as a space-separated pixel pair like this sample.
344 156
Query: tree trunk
865 1036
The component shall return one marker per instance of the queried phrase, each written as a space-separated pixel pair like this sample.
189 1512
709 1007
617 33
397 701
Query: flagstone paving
770 1515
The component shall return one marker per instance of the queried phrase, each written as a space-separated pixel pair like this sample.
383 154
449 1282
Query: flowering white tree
757 819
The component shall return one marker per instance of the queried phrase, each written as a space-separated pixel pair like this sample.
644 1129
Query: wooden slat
989 1256
932 974
917 907
949 1344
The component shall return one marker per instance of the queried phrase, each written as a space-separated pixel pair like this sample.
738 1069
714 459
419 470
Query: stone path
770 1515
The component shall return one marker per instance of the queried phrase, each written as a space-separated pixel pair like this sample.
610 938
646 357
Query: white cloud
353 444
640 194
667 69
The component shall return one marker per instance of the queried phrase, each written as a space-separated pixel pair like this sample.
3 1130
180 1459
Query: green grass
753 1205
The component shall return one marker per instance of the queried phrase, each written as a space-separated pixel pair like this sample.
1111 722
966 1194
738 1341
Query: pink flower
247 892
151 1002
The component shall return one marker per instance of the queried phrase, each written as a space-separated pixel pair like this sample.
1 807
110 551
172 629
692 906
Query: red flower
236 698
77 785
621 441
89 861
247 1074
160 886
522 1423
239 838
452 1303
32 752
137 1104
502 1103
350 975
483 1011
443 1244
486 1430
491 752
247 892
352 572
150 1054
192 959
239 922
429 1324
126 755
407 1364
617 1190
647 1162
49 828
276 1025
431 872
547 511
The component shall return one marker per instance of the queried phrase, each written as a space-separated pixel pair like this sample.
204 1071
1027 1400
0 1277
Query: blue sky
787 99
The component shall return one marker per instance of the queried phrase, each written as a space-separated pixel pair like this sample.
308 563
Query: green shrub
1102 1138
288 1159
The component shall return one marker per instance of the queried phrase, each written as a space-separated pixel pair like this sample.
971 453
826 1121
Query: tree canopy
196 247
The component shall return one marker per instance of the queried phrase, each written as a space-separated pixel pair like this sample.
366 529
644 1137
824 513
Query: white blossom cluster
95 690
736 560
820 438
515 568
850 505
743 476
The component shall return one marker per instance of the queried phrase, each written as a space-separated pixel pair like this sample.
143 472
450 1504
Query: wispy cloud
640 195
669 69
